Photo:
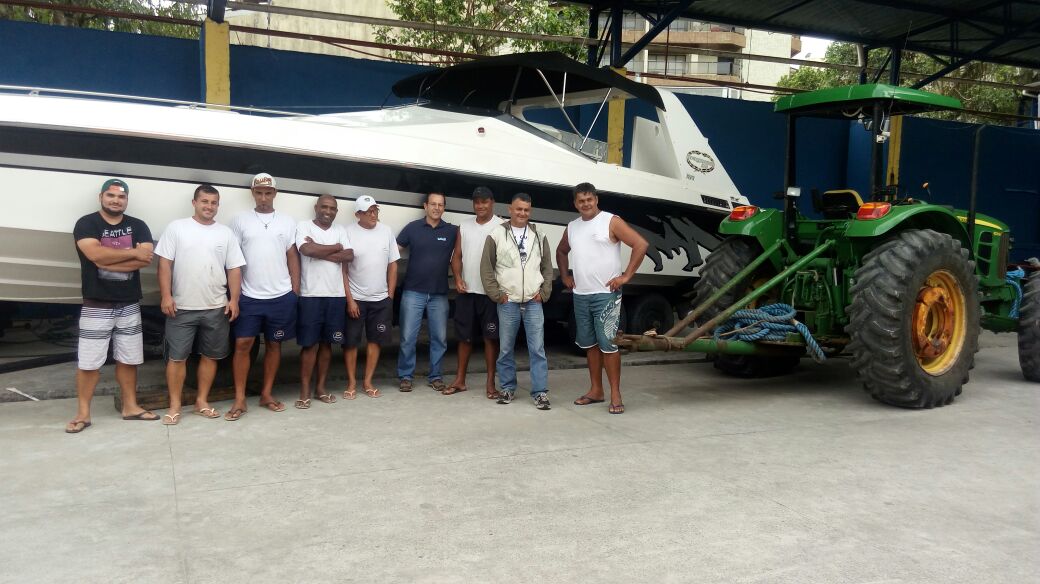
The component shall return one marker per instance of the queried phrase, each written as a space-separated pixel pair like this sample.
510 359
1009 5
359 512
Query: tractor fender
767 226
902 217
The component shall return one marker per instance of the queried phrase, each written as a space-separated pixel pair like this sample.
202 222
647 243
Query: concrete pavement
704 479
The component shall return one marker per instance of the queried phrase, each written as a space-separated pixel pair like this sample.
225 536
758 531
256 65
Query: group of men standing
323 284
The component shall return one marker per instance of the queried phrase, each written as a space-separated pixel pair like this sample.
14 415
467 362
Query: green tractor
900 285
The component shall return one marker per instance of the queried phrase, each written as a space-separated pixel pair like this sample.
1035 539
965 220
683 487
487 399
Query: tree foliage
538 16
974 97
59 17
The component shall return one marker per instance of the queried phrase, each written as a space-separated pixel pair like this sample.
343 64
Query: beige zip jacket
502 272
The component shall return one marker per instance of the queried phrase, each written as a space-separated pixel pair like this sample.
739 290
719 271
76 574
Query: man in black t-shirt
112 248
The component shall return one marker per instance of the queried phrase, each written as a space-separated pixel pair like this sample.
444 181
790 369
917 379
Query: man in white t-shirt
199 265
325 251
476 315
371 279
592 243
270 285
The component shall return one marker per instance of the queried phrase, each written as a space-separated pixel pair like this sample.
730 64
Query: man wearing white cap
270 285
371 279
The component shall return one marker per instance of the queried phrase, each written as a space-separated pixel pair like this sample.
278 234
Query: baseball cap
365 202
115 182
482 193
264 180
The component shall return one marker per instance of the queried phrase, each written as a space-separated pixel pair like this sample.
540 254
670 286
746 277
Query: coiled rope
768 323
1014 277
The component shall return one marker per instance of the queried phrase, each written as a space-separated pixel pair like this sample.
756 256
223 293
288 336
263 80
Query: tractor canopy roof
852 100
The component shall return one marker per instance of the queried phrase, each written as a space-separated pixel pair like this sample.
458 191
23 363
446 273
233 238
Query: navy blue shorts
321 320
276 317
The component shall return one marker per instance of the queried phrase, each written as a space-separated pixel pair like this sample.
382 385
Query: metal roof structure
953 31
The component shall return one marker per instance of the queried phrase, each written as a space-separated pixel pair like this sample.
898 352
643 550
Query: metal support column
216 55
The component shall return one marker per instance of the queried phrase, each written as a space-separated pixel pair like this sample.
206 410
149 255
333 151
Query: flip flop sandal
438 385
350 394
453 389
274 406
406 385
77 426
586 400
207 413
234 414
303 404
372 392
492 393
326 398
616 408
141 416
171 419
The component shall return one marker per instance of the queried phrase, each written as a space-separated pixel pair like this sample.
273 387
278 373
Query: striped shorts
100 323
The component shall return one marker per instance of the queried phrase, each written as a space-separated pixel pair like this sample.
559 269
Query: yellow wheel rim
938 325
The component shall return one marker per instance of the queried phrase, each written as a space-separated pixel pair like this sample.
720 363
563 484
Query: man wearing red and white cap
270 286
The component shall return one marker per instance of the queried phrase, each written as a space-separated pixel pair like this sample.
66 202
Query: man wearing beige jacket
516 270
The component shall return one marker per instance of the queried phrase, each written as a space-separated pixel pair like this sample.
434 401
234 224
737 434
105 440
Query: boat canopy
835 102
489 82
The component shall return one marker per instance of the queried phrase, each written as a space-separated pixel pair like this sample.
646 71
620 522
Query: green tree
974 97
539 16
59 17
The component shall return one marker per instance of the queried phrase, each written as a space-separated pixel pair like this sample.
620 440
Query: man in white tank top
593 243
476 315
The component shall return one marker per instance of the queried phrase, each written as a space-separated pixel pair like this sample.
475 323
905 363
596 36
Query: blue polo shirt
429 254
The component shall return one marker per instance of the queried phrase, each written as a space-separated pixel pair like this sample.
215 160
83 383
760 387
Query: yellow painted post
895 144
616 126
217 61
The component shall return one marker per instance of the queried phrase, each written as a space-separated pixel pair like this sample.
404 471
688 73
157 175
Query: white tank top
473 237
594 258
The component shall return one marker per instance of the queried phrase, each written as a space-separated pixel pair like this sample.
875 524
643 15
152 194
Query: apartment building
674 52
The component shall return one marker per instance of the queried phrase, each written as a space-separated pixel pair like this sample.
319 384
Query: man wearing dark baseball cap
476 315
112 249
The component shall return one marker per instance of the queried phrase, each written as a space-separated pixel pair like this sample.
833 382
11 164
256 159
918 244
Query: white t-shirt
265 238
474 235
594 258
374 249
201 254
321 278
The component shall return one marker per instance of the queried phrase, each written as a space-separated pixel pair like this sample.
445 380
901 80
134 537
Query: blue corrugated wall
747 136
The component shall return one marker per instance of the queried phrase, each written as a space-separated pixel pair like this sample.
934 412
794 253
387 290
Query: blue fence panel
308 83
941 154
95 60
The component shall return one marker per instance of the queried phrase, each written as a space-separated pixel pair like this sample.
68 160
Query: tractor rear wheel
1029 328
725 262
914 319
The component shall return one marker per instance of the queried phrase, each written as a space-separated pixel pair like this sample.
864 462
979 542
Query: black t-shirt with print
105 285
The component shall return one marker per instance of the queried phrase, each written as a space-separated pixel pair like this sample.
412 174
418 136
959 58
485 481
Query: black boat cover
487 82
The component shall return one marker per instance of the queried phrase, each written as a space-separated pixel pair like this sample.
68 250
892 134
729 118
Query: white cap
264 180
365 202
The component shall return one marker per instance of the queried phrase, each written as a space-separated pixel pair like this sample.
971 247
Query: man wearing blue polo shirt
430 243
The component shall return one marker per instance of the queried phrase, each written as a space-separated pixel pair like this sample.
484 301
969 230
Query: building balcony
719 40
796 45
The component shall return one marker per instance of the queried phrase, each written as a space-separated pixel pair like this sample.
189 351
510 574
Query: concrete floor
704 479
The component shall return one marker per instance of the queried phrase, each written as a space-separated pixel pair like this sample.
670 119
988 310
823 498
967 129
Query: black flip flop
141 417
587 401
81 428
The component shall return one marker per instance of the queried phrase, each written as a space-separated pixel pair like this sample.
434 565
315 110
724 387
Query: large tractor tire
725 262
914 319
1029 329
